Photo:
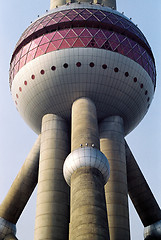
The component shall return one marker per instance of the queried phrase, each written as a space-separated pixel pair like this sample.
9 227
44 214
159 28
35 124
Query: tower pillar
22 187
112 144
84 124
86 170
52 209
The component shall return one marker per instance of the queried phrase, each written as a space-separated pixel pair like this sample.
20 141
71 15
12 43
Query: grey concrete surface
113 146
22 187
84 124
88 214
88 208
140 193
52 209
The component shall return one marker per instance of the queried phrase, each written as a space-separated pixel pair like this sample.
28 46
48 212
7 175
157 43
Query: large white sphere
51 82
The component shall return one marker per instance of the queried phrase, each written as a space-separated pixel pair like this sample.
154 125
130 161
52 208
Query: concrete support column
52 210
88 207
112 144
84 124
22 187
86 170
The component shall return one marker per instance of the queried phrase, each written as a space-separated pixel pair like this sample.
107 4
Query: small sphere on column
86 157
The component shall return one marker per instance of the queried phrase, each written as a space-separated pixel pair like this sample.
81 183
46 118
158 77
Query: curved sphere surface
86 157
82 50
153 232
6 228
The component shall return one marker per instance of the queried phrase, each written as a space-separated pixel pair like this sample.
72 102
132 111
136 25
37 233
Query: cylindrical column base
88 208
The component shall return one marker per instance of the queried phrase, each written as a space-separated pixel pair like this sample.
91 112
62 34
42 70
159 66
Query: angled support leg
20 192
143 199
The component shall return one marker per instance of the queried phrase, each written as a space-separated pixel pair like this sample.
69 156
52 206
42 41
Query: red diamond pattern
82 37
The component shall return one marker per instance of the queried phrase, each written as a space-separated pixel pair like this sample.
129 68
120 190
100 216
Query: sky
16 138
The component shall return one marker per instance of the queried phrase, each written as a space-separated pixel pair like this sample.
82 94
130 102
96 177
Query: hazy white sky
16 138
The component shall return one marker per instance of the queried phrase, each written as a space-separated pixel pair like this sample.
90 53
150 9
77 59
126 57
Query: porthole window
135 79
53 68
65 65
146 92
141 85
91 64
104 66
33 77
78 64
126 74
25 82
42 71
116 69
20 89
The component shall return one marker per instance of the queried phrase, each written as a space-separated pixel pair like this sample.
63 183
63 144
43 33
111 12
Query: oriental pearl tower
82 76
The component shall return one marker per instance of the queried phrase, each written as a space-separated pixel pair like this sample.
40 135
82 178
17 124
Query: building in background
88 58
